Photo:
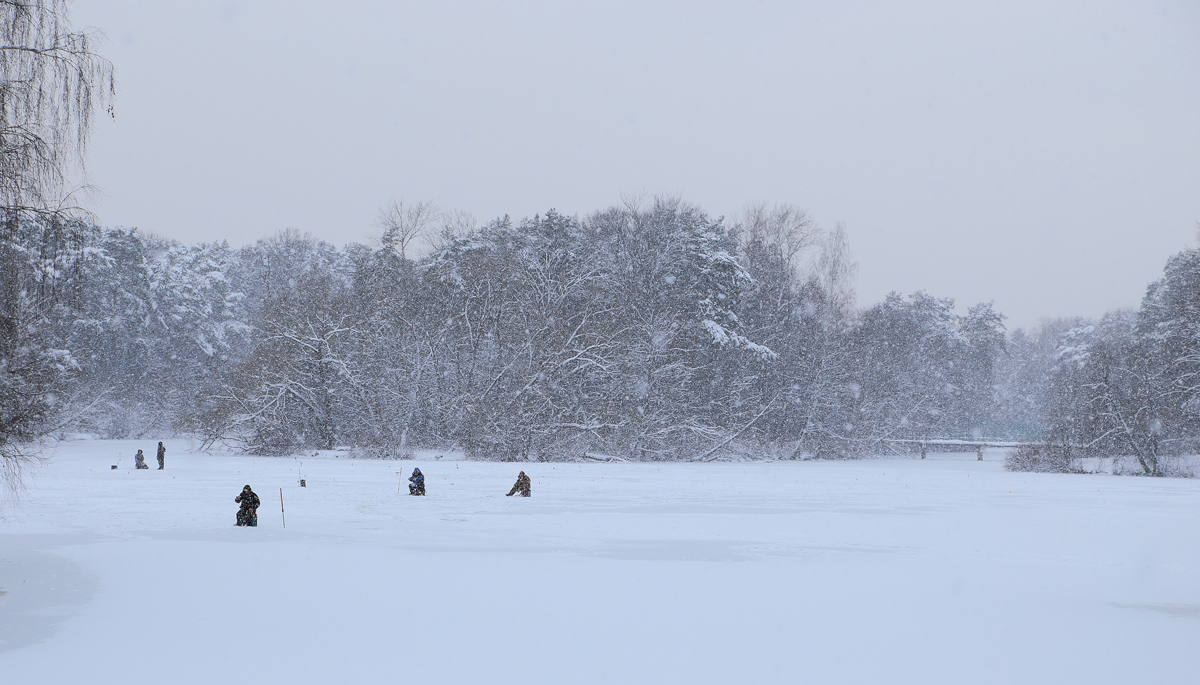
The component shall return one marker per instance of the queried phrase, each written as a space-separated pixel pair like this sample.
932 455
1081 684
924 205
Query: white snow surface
946 570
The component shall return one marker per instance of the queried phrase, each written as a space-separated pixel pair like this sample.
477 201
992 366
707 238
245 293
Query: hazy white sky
1043 155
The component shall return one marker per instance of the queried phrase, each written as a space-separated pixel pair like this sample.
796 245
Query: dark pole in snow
281 508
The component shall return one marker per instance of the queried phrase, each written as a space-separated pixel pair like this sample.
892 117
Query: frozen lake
946 570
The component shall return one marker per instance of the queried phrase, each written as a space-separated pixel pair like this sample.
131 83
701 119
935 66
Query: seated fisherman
416 483
248 513
522 486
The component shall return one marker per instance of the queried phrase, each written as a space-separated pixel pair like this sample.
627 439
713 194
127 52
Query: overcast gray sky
1043 155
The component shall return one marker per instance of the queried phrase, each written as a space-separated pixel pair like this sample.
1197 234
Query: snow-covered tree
51 81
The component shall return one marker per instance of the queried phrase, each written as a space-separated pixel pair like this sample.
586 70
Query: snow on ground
946 570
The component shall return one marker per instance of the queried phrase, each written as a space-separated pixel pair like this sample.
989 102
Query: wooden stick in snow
281 508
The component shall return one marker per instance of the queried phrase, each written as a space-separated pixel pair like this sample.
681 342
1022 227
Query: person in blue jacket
416 483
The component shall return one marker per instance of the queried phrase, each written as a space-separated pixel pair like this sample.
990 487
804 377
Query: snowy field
946 570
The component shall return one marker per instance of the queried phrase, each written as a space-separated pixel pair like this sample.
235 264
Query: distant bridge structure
977 445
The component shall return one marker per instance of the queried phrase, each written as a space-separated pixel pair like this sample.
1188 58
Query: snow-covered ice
946 570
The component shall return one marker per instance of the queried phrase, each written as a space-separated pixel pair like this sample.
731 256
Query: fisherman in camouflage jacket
522 486
248 512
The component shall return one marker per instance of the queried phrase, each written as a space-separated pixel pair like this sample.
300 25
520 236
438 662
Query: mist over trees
1125 386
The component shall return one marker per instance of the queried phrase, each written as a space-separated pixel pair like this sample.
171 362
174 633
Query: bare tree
50 83
836 269
454 224
402 224
786 229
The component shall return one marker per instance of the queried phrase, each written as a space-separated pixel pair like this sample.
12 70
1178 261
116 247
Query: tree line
646 331
642 331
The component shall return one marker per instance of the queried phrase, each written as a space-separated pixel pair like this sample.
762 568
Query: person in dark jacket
162 456
248 513
416 483
522 486
139 461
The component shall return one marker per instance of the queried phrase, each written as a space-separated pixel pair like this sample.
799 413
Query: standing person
416 483
162 456
522 486
247 513
139 461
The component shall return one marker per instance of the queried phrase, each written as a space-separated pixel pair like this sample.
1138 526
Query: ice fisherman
162 456
416 483
522 486
139 461
248 513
